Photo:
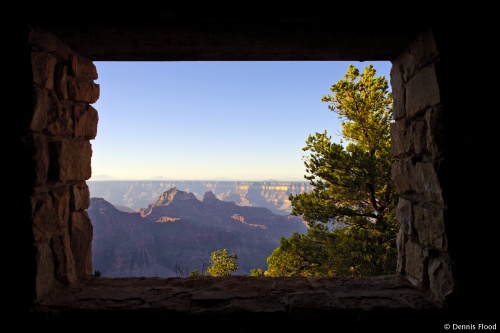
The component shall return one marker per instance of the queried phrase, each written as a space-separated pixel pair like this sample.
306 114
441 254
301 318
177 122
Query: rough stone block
74 159
404 215
400 171
83 67
80 196
435 140
422 91
42 159
62 82
40 111
415 141
61 199
398 91
81 243
429 222
401 240
427 182
83 90
44 279
44 217
421 52
398 130
86 119
65 269
423 49
415 259
441 280
61 124
43 66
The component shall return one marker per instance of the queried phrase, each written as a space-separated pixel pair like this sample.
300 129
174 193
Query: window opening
165 125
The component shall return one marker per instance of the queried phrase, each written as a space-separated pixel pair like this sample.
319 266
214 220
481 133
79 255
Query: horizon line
108 178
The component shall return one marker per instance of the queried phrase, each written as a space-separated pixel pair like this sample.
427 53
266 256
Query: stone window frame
84 91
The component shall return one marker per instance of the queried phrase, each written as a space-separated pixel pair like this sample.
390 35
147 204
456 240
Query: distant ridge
98 178
158 178
218 179
101 178
135 195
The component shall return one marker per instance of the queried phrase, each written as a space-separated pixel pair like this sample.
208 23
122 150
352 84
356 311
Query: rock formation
138 194
177 233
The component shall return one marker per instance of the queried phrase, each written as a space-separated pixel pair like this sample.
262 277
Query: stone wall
59 129
418 150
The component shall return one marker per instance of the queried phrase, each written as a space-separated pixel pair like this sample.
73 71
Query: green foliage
351 210
256 272
222 263
194 273
96 273
303 255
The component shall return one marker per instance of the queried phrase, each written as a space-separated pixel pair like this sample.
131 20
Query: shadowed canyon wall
177 233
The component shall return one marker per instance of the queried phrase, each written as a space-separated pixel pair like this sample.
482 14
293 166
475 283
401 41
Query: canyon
176 234
129 195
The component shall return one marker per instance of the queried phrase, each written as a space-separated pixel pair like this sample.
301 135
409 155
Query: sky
213 120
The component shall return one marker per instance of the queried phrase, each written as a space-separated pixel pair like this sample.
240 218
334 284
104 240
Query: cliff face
177 233
139 194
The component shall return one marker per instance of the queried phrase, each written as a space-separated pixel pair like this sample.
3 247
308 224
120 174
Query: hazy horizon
237 120
160 178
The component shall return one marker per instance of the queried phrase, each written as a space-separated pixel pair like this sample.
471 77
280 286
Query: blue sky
193 120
